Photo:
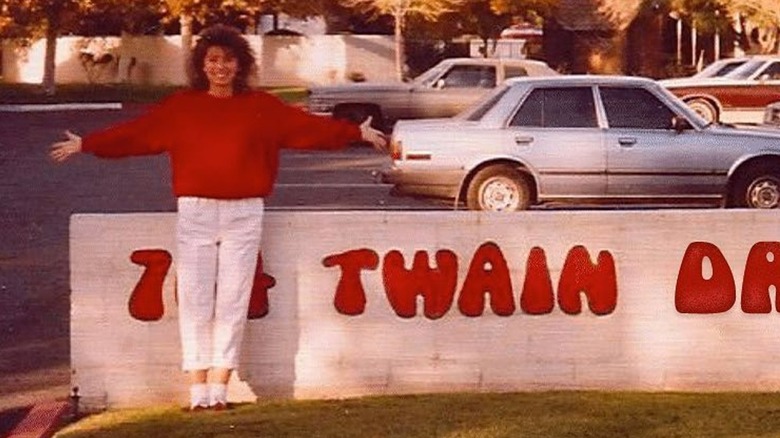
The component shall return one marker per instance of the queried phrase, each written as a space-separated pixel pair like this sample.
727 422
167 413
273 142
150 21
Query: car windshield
476 111
680 107
429 77
720 68
746 70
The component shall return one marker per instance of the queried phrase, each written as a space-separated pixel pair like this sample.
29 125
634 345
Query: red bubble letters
488 274
714 290
146 303
705 282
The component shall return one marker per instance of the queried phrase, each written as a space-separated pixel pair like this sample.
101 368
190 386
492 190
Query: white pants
217 245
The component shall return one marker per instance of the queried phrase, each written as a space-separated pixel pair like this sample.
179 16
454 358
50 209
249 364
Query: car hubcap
703 109
764 193
500 195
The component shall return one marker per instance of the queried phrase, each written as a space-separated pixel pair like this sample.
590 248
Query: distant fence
159 60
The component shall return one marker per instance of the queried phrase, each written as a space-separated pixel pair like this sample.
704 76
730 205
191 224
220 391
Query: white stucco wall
283 60
307 348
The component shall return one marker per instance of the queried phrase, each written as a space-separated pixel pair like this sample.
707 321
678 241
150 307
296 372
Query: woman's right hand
63 150
372 135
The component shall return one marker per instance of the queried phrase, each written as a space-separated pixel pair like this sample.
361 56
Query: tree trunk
399 45
49 64
777 40
600 54
185 21
484 50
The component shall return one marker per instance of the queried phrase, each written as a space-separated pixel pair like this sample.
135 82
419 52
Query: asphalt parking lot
37 198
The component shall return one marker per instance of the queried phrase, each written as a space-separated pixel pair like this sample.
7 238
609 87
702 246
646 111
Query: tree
487 18
337 17
592 34
31 19
758 22
523 7
296 8
400 11
114 17
17 19
241 13
478 17
755 22
205 12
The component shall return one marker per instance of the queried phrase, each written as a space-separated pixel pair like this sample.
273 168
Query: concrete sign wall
389 302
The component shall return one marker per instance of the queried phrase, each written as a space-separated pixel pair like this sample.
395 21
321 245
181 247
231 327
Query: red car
740 96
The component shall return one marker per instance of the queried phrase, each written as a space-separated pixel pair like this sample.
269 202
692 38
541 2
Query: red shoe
197 408
219 406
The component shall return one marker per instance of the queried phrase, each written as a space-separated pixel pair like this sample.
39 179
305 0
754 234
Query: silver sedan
584 139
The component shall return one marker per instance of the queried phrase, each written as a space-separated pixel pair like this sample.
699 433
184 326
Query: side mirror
681 124
439 84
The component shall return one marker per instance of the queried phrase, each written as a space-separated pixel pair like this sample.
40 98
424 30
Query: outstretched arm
373 136
63 150
298 129
147 134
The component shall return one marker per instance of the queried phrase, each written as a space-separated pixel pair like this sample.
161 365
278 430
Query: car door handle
627 141
524 139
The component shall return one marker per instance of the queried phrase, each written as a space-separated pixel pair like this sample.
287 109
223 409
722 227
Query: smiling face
220 66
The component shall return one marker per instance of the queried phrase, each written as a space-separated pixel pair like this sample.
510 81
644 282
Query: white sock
217 393
199 395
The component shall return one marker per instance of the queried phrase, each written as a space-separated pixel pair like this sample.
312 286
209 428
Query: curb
41 421
26 108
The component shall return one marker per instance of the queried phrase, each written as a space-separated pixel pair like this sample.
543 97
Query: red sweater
223 148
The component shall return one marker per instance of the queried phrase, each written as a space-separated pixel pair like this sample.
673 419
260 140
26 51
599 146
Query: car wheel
758 188
704 108
499 188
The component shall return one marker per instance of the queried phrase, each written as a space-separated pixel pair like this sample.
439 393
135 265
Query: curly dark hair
232 40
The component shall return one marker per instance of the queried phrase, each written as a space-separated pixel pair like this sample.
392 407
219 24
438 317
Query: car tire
759 187
705 109
499 188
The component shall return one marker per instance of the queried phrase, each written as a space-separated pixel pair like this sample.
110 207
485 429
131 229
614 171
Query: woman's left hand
373 136
63 150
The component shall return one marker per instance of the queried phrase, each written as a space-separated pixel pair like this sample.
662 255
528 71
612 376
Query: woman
223 140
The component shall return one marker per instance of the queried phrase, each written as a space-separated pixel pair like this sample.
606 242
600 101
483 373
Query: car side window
771 72
635 108
728 68
569 107
511 71
470 76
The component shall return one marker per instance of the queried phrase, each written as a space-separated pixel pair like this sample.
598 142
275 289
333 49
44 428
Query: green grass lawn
68 93
542 414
